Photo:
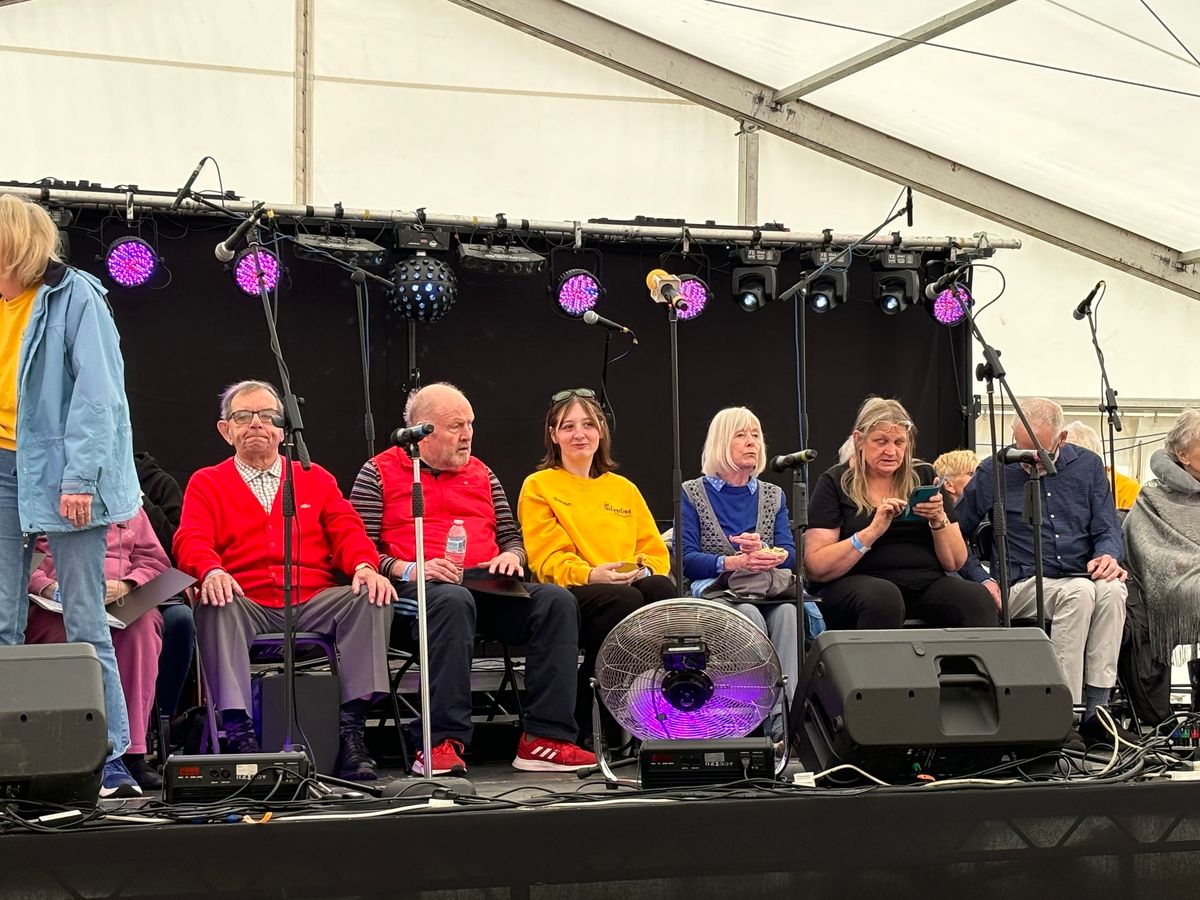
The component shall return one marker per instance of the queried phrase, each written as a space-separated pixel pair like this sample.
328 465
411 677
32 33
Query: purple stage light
946 308
245 272
578 291
695 293
131 262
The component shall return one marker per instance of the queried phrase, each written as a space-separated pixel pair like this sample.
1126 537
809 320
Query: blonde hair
28 240
715 458
956 462
846 451
876 413
1083 435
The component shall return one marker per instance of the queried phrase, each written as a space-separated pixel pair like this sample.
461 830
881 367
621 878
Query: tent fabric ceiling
1120 152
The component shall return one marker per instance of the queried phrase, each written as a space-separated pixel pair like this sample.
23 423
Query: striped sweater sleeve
508 529
367 499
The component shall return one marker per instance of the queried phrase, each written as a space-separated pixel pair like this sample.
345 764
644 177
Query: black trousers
945 601
547 624
601 607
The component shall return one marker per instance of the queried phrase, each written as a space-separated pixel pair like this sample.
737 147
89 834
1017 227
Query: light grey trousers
359 631
1088 618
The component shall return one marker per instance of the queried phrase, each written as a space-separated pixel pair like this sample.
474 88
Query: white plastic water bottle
456 543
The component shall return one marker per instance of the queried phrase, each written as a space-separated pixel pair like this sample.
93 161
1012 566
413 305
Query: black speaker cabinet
905 703
53 738
318 704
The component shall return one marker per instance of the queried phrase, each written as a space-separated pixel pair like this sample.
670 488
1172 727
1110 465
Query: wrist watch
945 521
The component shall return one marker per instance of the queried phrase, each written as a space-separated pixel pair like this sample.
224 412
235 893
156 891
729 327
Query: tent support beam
926 32
728 93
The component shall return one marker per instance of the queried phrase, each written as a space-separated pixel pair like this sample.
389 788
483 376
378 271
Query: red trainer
446 759
549 755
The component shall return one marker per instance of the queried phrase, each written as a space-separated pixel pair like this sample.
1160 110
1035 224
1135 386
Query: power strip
1186 771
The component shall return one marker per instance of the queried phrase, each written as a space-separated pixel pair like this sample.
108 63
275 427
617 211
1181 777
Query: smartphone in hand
920 494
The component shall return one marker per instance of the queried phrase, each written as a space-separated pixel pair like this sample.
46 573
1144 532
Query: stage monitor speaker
53 738
318 704
941 702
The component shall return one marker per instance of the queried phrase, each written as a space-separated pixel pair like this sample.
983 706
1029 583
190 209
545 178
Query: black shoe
240 736
354 763
1095 733
143 773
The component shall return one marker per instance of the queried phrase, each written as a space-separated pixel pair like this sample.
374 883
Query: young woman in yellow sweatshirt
588 529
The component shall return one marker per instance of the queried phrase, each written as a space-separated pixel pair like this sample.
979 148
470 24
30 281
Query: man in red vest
230 538
456 485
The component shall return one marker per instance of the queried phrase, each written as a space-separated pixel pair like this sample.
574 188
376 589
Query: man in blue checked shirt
1081 551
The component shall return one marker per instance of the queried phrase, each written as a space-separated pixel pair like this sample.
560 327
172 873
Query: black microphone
402 437
936 287
791 460
225 250
1082 310
908 207
187 185
592 318
1009 455
664 288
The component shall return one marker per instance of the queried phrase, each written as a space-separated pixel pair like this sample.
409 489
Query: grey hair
1083 435
1041 411
419 401
242 387
1184 433
715 459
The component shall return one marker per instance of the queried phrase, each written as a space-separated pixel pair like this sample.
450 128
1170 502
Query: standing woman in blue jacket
66 458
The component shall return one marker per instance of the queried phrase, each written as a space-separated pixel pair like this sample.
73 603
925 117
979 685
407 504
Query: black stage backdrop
508 349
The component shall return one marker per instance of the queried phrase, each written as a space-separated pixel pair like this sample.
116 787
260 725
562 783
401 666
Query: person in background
846 451
66 457
1085 436
588 529
230 540
872 567
956 469
737 540
457 485
163 502
1084 584
133 557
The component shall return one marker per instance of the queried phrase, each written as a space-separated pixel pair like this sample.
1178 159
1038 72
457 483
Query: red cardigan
224 526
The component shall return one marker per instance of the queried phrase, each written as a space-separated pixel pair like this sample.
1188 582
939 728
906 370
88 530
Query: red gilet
223 525
465 494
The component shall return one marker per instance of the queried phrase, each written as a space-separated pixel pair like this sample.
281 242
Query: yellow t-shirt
1127 490
572 524
14 316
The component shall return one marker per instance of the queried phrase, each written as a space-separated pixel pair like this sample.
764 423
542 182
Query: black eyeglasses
586 393
244 416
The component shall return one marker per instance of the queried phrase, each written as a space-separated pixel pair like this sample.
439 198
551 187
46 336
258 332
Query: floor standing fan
690 678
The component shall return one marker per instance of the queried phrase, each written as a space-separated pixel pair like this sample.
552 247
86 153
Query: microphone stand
677 471
1108 405
992 369
359 276
293 438
605 405
418 514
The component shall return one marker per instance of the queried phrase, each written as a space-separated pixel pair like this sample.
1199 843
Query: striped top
367 498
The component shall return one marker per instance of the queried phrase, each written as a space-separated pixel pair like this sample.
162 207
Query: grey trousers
778 621
1088 618
359 630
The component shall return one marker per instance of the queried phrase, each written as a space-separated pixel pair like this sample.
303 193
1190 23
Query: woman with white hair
737 544
872 564
1083 435
1162 540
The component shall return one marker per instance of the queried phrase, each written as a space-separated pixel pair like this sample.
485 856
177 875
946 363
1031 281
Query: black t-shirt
903 554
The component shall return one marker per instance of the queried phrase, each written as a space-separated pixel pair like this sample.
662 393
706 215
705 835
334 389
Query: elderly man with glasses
459 489
230 538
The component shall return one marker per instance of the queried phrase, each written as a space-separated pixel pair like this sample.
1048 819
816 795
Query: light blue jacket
73 434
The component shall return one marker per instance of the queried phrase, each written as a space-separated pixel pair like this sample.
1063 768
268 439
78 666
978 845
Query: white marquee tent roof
1105 166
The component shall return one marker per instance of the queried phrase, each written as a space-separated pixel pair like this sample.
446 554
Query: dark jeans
547 624
945 601
175 658
601 607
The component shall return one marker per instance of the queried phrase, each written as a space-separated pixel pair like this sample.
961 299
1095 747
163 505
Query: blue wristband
407 574
857 544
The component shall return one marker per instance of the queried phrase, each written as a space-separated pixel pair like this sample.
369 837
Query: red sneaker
446 759
542 754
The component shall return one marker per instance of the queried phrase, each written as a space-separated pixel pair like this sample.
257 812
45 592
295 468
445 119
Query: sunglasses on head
586 393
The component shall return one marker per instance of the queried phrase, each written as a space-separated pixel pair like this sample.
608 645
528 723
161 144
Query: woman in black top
872 568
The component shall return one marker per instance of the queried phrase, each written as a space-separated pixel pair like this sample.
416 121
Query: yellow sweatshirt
1127 490
572 524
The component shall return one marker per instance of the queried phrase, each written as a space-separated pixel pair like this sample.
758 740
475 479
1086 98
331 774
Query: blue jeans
79 562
